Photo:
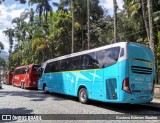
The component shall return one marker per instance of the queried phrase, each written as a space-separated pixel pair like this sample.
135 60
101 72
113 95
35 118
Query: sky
11 9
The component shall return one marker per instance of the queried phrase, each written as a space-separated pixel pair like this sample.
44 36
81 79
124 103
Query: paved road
15 100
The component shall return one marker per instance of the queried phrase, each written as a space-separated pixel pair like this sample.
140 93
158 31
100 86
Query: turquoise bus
117 73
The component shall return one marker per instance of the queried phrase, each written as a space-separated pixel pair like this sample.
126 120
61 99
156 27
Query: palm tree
43 7
61 6
10 33
133 7
72 49
20 29
28 14
88 18
150 12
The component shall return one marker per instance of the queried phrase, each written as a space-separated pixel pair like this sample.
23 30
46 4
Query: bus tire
83 95
22 85
45 89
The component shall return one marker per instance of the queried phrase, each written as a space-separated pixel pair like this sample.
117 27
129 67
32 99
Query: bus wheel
22 85
45 89
83 96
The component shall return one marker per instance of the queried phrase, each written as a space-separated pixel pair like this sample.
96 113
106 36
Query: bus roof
121 44
25 66
20 67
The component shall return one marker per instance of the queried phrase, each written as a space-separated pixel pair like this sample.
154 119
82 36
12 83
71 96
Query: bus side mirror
27 69
40 71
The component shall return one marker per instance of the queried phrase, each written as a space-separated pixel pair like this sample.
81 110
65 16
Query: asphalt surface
61 108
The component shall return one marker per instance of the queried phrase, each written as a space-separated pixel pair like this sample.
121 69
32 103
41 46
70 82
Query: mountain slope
4 55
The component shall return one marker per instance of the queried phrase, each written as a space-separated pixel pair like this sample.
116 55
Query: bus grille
141 70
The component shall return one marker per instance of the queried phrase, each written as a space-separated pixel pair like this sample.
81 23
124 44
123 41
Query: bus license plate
142 98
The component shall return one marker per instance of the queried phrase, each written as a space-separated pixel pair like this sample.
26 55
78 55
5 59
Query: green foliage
48 34
2 61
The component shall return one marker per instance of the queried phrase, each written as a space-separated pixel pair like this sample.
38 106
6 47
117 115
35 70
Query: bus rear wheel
22 85
83 95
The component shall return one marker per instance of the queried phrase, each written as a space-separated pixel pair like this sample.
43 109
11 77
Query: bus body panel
28 78
8 78
31 78
19 76
106 83
17 79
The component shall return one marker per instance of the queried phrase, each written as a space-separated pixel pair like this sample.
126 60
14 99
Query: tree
115 20
2 61
88 24
145 20
10 33
150 12
43 7
1 46
62 5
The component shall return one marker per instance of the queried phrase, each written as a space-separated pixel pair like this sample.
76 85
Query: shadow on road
22 110
61 97
33 95
121 108
9 112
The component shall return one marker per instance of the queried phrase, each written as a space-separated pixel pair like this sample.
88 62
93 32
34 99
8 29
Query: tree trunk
82 39
115 20
145 20
72 49
151 41
88 24
150 11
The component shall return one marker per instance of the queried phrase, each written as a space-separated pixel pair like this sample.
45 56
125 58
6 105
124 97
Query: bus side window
54 66
64 65
40 71
93 63
88 61
27 69
74 63
108 57
122 52
47 69
82 64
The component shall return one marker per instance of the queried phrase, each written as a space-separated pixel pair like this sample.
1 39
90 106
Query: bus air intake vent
141 70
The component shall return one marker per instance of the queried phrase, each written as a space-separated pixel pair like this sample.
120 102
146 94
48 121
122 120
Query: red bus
26 76
8 78
4 79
